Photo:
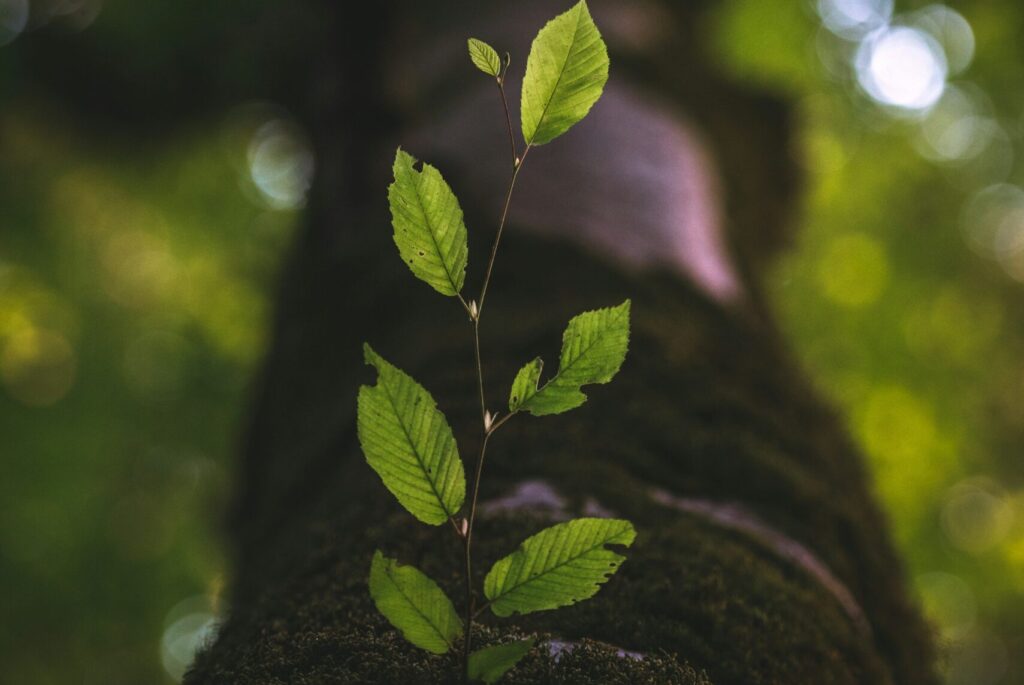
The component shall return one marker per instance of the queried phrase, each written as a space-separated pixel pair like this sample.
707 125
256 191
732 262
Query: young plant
406 438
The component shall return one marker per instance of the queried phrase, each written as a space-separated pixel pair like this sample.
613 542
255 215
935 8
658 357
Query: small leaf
428 226
414 604
525 383
410 445
484 57
565 74
490 663
558 566
593 348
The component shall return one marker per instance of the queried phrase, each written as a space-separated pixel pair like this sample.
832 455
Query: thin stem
468 540
475 314
508 118
464 304
479 371
476 490
482 608
469 552
501 422
501 227
469 614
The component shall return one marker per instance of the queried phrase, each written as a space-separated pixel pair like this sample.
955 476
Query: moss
706 405
371 657
689 594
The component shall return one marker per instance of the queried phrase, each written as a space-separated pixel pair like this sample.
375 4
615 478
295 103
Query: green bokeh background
136 283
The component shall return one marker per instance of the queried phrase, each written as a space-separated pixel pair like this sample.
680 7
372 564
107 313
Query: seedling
406 438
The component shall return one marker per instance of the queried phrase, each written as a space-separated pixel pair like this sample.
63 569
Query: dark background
143 219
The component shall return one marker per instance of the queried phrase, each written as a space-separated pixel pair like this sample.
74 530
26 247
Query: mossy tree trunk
761 555
706 408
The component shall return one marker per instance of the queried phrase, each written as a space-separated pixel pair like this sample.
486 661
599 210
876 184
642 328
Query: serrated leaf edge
478 48
630 530
540 388
426 619
369 355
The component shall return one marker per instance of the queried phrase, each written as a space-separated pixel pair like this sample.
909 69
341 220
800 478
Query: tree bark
761 556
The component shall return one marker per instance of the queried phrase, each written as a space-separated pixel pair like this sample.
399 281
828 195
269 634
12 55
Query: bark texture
708 409
707 406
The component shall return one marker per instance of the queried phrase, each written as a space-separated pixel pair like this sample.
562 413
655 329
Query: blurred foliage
136 279
918 337
134 291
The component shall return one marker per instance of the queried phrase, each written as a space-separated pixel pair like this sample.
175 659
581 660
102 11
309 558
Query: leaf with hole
414 604
558 566
594 346
525 383
428 226
408 442
565 75
484 57
490 663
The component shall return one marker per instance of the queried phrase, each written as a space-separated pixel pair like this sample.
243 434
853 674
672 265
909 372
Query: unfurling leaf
558 566
593 347
490 663
428 226
565 74
414 604
484 57
408 442
525 384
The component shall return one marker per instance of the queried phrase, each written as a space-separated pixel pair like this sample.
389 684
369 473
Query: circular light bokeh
902 67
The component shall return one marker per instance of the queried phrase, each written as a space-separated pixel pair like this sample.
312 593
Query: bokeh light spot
948 602
189 626
854 18
854 270
902 67
957 129
281 164
898 425
976 515
951 30
37 366
140 269
1014 549
910 459
993 224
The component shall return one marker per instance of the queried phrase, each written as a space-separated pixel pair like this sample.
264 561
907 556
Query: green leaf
565 74
525 384
428 226
558 566
484 57
408 442
414 604
593 348
490 663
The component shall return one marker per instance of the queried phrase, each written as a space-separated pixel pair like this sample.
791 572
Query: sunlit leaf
428 226
414 604
558 566
525 383
565 74
490 663
410 445
484 57
593 348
